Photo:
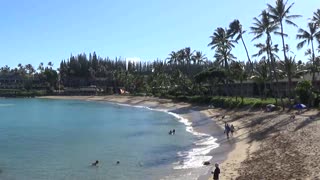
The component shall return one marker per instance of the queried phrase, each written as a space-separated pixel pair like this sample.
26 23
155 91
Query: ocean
59 139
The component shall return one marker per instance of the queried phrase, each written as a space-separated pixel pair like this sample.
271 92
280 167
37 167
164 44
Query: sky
37 31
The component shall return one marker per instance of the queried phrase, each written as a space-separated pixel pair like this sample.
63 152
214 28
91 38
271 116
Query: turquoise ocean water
59 139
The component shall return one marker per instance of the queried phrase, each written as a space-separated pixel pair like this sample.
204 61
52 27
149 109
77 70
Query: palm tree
316 18
181 55
4 70
280 14
290 69
22 70
40 67
224 57
173 58
266 26
261 27
188 54
235 28
222 44
265 49
308 36
50 64
30 70
261 76
199 58
240 74
271 51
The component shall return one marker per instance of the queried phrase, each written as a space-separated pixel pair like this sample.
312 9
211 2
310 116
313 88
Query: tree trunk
283 45
265 90
284 54
241 91
289 86
269 54
313 65
277 81
245 47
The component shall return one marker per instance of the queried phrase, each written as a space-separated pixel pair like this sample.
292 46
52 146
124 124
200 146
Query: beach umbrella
300 106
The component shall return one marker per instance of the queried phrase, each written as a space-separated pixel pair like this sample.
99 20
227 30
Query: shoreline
198 116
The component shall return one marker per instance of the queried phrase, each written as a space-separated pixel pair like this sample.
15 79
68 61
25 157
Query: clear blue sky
37 31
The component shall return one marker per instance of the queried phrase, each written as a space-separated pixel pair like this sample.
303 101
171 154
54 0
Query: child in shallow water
95 163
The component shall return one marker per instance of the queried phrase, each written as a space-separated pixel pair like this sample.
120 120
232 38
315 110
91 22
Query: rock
206 163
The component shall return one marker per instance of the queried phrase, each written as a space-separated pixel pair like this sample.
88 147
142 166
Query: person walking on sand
232 129
216 172
227 129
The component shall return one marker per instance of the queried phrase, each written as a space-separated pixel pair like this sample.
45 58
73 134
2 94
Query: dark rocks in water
206 163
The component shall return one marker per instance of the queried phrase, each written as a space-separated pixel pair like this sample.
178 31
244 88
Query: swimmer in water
95 163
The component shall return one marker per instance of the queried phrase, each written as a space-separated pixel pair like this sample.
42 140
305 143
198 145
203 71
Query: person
95 163
216 172
170 132
226 129
118 162
232 129
173 131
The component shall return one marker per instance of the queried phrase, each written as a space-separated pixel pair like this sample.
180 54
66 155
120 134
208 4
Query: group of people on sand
228 129
172 132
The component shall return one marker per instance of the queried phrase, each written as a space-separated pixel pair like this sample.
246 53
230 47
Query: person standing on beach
232 129
227 129
216 172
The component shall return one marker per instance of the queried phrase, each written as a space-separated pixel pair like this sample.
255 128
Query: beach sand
266 145
271 145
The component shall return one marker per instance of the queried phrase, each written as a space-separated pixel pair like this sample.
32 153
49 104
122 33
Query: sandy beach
266 145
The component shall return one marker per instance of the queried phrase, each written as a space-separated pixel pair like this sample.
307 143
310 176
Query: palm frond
293 16
281 34
290 23
257 37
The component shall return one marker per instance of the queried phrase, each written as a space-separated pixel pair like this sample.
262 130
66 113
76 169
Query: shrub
303 90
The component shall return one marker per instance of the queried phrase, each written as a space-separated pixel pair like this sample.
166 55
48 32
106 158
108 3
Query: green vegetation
21 93
304 92
266 76
225 102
